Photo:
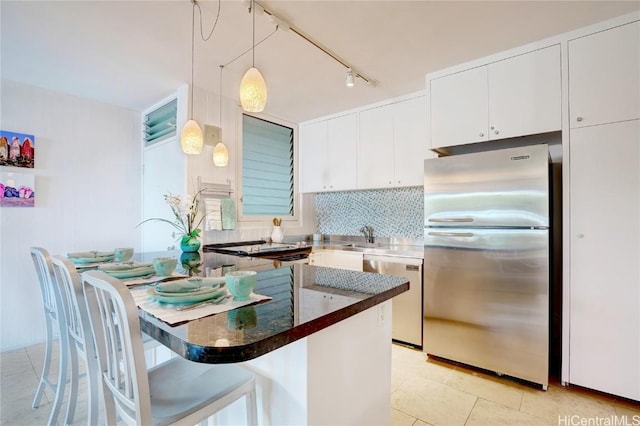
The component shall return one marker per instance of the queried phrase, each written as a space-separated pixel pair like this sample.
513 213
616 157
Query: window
160 123
267 168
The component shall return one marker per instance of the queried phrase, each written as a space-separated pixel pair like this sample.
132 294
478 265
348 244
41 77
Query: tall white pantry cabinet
604 170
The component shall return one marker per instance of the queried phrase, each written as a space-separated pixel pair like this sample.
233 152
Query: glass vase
189 244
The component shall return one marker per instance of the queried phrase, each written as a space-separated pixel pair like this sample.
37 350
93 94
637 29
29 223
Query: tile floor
424 392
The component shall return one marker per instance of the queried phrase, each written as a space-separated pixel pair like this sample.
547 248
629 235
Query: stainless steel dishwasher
407 307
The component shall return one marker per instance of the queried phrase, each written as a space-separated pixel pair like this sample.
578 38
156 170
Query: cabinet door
525 95
410 141
313 157
342 148
604 346
459 108
375 148
604 76
341 259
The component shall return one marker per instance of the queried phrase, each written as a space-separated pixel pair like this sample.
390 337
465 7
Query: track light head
350 81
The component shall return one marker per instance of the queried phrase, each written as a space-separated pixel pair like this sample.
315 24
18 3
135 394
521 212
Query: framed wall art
17 189
17 149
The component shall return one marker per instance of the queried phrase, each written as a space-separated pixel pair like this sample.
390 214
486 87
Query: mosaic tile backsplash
397 212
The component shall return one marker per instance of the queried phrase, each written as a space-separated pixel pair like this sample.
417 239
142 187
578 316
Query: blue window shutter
160 124
267 168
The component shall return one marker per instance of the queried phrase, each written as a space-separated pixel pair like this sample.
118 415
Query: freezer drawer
486 299
407 307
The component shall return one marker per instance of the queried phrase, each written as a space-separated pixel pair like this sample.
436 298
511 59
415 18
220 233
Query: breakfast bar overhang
320 347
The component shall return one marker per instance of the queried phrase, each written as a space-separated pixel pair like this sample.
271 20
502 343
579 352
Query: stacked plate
85 257
188 290
127 269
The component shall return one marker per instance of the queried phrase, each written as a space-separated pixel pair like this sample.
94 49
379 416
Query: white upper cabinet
375 148
410 141
516 96
460 108
604 76
525 95
328 154
393 145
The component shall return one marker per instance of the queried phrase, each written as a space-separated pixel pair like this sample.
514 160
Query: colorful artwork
17 149
17 190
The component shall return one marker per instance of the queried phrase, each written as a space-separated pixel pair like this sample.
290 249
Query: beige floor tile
421 423
398 418
560 402
432 402
496 389
488 413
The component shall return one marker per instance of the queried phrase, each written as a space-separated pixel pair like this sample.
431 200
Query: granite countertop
305 299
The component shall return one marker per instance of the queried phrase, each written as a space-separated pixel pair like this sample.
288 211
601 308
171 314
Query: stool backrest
114 321
51 296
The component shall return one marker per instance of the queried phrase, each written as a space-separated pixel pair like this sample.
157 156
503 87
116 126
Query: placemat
169 314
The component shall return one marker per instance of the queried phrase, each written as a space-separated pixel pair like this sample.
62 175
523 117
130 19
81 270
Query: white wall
87 184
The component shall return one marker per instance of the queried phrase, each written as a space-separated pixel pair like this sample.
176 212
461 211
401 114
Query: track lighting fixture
350 82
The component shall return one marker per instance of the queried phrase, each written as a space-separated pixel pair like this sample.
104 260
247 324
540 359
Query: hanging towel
213 221
228 213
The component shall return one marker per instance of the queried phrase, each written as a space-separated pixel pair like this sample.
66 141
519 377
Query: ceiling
135 53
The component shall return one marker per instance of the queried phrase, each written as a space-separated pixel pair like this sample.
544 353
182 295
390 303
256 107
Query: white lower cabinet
604 289
340 259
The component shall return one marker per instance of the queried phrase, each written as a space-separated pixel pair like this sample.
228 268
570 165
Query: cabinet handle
492 127
580 235
496 132
579 119
481 134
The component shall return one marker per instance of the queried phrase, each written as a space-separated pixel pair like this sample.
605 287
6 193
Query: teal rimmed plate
192 297
131 273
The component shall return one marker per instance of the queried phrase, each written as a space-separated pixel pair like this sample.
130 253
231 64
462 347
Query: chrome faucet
368 233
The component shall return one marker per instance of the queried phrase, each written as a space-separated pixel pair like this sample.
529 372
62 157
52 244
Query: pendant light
220 151
191 136
253 89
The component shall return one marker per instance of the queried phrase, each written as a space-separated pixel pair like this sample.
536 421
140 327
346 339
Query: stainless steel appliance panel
486 299
406 307
505 188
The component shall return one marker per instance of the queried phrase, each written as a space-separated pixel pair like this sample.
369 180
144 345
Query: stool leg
46 365
73 390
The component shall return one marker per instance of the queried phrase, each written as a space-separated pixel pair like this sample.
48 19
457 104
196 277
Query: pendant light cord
215 23
253 39
193 37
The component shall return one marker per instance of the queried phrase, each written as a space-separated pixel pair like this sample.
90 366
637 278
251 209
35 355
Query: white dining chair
80 338
176 391
55 324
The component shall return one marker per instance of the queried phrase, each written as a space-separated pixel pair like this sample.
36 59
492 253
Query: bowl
164 266
240 283
123 254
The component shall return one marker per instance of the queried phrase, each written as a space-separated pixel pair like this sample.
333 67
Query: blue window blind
160 124
267 168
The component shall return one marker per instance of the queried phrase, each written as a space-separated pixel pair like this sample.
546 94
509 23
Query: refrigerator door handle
450 234
451 219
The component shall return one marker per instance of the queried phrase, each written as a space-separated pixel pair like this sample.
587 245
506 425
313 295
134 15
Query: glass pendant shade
253 91
191 138
220 155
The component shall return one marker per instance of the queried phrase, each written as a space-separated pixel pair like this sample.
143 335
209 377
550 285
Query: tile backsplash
397 212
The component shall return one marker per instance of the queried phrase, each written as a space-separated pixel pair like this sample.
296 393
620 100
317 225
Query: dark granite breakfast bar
320 347
305 299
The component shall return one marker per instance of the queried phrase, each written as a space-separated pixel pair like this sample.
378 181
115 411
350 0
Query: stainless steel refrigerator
486 261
